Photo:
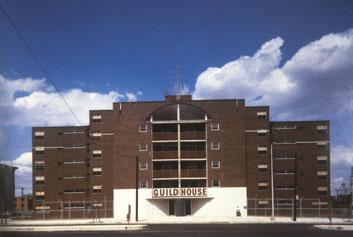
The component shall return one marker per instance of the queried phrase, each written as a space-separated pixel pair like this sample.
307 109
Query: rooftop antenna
177 86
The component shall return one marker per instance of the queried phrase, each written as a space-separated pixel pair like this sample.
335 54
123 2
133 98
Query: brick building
195 157
7 189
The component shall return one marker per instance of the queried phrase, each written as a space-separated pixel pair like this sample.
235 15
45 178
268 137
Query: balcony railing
165 136
172 173
193 173
192 135
165 155
192 154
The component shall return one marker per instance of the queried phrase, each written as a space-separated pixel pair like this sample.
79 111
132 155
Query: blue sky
126 50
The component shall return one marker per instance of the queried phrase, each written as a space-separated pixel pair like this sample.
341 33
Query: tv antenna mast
177 77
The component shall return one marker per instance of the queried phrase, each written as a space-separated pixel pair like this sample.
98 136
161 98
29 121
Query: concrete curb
72 228
347 227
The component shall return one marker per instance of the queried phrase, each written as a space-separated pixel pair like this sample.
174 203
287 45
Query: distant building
7 189
24 203
195 157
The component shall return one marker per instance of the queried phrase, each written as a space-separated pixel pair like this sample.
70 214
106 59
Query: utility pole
22 198
295 187
137 189
351 187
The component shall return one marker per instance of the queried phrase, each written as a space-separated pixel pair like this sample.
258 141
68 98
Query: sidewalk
110 224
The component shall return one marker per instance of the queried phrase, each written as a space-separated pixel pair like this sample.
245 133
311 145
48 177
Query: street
203 230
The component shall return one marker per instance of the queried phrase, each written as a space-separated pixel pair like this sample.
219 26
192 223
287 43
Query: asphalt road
204 230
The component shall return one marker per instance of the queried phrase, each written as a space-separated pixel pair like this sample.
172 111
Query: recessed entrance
180 207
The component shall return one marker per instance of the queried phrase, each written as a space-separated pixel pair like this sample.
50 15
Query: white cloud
41 106
314 83
131 97
245 77
23 174
342 155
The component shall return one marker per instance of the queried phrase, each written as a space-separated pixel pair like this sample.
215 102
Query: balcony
171 173
158 136
186 173
193 154
165 154
192 135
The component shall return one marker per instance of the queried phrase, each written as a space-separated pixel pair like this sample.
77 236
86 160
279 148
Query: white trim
143 130
97 169
39 178
140 149
261 113
322 173
322 188
97 152
71 162
322 158
217 147
97 117
42 207
261 148
40 193
140 165
97 187
321 127
319 203
216 167
216 128
39 133
74 177
219 183
39 148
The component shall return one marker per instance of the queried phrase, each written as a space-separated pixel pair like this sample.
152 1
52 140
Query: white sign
178 192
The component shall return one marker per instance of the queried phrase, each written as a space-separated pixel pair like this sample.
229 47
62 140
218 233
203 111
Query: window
263 186
74 176
261 114
39 180
321 129
322 160
216 164
321 204
216 183
261 132
97 189
263 203
97 171
39 164
143 127
143 165
73 162
143 184
143 147
40 195
214 126
96 118
262 168
322 175
39 135
322 144
96 134
74 191
39 150
262 150
322 190
215 145
97 154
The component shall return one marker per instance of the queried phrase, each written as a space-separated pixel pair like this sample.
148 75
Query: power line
46 74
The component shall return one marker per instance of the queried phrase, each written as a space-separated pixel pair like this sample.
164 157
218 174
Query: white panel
221 202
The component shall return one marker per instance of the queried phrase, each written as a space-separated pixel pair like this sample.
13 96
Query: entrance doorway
180 207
